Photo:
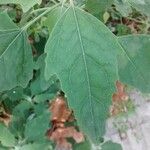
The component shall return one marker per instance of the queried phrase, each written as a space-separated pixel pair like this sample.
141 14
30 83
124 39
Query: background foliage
80 47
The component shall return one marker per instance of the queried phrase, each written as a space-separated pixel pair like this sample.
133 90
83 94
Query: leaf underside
81 52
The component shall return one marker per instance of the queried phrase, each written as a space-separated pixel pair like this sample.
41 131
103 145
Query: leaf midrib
86 68
11 43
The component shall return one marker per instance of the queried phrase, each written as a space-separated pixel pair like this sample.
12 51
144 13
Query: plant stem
40 9
133 19
54 1
38 17
62 5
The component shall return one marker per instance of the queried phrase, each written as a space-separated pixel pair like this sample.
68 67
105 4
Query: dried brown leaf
4 116
119 98
60 111
59 132
120 95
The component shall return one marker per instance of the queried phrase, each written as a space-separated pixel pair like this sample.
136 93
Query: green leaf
40 85
43 83
82 52
106 16
21 110
40 108
35 85
36 128
44 97
134 61
19 117
109 145
122 30
25 4
80 2
98 7
15 94
53 17
2 148
82 146
15 55
6 138
123 7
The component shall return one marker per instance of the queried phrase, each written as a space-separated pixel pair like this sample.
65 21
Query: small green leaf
6 138
82 146
53 17
81 51
40 85
109 145
21 110
124 6
106 16
15 94
134 61
98 7
19 117
25 4
44 97
36 128
15 55
3 148
122 29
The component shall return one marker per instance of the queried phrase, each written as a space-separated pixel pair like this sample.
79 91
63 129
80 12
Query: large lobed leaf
15 55
25 4
82 52
134 61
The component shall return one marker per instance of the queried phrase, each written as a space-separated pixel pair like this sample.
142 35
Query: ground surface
133 130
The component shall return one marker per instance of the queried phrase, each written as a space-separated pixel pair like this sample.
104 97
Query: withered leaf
59 131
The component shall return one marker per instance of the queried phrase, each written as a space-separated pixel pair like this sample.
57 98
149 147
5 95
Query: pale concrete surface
133 132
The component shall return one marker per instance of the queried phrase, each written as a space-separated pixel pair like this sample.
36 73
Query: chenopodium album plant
84 55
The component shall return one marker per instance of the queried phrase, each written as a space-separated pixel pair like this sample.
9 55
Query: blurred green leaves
134 62
98 7
37 127
124 6
6 137
83 58
25 4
